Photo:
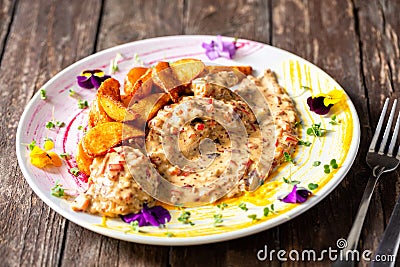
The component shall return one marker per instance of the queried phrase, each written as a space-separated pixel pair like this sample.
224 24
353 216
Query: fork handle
389 244
354 235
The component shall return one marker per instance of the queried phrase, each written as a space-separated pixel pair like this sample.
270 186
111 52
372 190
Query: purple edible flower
317 105
89 79
219 48
298 195
155 216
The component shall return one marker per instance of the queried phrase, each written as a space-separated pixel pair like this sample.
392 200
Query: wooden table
354 41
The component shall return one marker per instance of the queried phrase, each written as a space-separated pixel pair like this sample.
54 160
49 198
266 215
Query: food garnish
114 63
82 104
218 219
253 217
41 158
268 210
333 120
71 92
298 195
312 186
243 206
316 130
89 79
154 216
185 217
322 103
218 48
57 190
74 171
43 94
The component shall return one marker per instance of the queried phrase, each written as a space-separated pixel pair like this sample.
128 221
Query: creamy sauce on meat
113 191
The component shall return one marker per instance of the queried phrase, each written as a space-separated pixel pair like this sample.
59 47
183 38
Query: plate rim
206 239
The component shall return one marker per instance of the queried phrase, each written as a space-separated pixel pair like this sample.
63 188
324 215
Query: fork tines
387 131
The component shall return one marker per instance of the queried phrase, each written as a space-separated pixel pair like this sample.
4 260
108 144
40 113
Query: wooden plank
379 35
44 38
315 32
6 13
136 20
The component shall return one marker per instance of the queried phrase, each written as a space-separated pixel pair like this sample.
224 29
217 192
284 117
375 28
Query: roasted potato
246 70
132 77
82 159
147 107
109 98
142 87
104 136
97 115
174 79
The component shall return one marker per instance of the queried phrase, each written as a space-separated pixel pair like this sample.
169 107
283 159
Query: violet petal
209 46
212 54
149 216
316 105
84 82
131 217
97 81
163 215
291 197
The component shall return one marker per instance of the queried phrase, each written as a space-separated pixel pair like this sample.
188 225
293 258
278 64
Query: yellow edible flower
48 144
41 158
332 97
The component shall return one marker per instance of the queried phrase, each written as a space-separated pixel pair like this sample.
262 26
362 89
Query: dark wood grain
356 42
45 37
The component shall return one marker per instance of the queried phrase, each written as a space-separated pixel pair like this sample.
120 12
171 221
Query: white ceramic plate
341 142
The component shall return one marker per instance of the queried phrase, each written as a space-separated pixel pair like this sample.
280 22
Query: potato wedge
142 87
148 107
97 115
246 70
110 100
131 78
180 73
82 159
104 136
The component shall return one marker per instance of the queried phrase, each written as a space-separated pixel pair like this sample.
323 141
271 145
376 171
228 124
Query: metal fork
380 163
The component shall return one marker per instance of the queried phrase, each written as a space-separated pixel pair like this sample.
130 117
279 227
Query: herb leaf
135 226
218 219
253 217
312 186
185 218
304 143
32 145
43 94
50 125
222 206
82 104
75 171
316 163
316 130
243 206
288 158
57 190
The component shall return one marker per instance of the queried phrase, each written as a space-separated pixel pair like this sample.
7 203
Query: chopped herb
268 210
43 94
50 125
82 104
316 163
60 124
184 218
32 145
222 206
74 171
298 123
253 217
135 226
243 206
218 219
169 234
334 164
315 130
288 158
80 128
114 63
57 190
290 181
304 143
333 120
71 92
327 168
65 155
312 186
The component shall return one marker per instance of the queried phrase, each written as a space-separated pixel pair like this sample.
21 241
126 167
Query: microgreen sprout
316 130
134 226
222 206
253 217
82 104
333 120
312 186
316 163
269 210
57 190
43 94
243 206
74 171
304 143
32 145
50 125
185 218
288 158
218 219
